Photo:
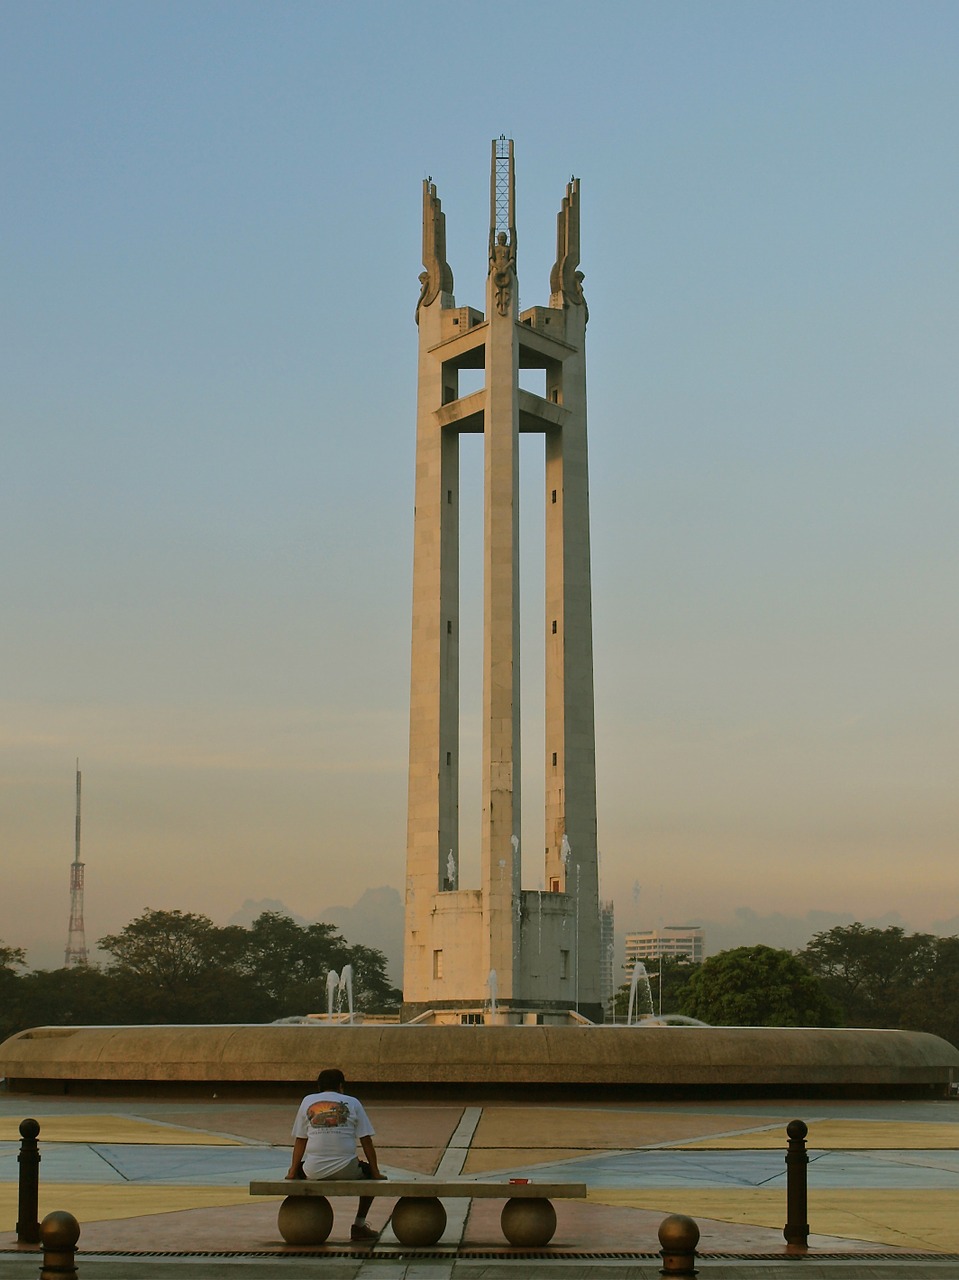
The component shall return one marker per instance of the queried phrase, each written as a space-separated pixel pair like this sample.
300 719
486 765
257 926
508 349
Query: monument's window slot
554 626
438 964
554 395
553 498
449 757
554 759
449 497
563 964
449 626
533 380
554 884
469 380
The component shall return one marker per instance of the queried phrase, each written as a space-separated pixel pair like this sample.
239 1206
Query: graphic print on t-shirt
327 1115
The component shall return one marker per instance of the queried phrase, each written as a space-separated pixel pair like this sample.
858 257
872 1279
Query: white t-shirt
332 1124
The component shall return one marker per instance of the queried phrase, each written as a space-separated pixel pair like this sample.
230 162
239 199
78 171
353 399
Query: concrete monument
533 954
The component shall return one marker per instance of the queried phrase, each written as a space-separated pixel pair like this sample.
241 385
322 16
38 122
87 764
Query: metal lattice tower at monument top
498 951
502 188
76 950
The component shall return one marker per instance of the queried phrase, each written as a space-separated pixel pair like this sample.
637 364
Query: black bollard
796 1230
679 1237
59 1233
28 1225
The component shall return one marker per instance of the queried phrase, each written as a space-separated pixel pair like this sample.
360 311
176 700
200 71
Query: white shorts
349 1173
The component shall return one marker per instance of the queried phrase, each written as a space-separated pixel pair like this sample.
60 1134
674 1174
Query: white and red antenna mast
76 952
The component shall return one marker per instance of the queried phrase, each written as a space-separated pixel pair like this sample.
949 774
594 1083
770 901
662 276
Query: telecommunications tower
76 952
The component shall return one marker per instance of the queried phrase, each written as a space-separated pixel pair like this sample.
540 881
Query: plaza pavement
160 1187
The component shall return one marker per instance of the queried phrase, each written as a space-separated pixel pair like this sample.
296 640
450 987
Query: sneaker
361 1232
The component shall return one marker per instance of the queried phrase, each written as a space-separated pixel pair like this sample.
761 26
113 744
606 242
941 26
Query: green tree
173 966
372 990
73 997
871 973
758 987
931 1003
11 959
289 964
887 978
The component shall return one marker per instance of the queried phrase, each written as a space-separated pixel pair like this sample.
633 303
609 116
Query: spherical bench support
305 1219
528 1224
418 1220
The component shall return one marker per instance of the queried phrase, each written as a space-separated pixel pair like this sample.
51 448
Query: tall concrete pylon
498 951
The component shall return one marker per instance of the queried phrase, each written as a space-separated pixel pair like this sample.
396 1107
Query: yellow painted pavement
845 1135
588 1129
925 1220
92 1202
506 1139
115 1129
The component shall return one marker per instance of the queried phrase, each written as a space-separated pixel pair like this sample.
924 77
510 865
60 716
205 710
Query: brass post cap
59 1230
678 1234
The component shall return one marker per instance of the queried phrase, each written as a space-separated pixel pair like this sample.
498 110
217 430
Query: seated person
325 1133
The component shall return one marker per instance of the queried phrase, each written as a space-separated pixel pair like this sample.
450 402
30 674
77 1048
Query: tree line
174 966
847 976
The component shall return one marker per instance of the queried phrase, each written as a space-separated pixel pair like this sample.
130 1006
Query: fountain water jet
346 983
639 976
670 1020
332 982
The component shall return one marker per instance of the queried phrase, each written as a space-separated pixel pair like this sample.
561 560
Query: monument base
507 1013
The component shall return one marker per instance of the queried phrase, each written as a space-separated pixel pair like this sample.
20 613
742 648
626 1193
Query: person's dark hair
331 1080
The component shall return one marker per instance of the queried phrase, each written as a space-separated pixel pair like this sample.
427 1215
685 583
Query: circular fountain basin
656 1058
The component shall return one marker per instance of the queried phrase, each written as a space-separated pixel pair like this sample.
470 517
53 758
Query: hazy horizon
380 925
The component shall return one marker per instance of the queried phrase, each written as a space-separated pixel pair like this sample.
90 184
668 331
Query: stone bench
528 1218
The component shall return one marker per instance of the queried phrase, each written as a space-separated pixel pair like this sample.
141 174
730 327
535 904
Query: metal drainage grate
504 1255
814 1255
395 1255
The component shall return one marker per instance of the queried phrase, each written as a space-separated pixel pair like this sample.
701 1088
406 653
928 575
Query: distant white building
671 940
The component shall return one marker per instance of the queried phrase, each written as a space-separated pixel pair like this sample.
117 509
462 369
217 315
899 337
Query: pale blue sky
210 246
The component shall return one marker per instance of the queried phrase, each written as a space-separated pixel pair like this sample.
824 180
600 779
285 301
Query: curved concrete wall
656 1056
